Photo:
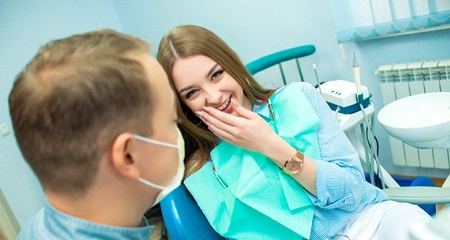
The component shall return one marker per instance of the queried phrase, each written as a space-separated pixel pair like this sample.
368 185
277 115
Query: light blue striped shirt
49 223
342 190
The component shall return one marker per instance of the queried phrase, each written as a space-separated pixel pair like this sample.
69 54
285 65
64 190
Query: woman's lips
226 107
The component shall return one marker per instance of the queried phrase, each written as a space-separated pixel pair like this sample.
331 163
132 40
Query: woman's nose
212 96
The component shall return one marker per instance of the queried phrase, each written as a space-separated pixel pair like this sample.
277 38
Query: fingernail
234 102
206 109
200 114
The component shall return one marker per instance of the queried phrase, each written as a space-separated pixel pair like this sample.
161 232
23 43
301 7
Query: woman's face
200 81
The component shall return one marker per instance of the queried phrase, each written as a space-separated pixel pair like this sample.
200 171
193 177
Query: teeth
225 104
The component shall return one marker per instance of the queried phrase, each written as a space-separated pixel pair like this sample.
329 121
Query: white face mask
176 180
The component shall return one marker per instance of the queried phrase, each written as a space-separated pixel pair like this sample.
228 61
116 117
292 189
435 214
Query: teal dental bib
250 197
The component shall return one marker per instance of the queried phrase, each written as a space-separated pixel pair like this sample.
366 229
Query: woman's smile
226 106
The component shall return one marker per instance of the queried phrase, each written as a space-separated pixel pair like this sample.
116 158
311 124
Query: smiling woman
9 227
276 157
204 84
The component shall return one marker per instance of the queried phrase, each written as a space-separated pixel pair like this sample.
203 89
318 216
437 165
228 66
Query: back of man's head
72 99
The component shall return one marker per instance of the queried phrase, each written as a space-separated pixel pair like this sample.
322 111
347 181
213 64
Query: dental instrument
357 78
317 78
341 98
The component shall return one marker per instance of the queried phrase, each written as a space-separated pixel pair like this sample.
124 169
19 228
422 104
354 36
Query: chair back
278 58
184 219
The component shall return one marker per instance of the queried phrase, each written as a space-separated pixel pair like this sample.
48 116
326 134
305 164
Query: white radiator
402 80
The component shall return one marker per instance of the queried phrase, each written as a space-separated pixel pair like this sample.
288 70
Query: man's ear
124 157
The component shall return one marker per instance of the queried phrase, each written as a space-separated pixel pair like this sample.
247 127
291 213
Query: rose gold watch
295 164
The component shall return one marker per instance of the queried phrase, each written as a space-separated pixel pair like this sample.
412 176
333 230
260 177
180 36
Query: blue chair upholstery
184 219
278 58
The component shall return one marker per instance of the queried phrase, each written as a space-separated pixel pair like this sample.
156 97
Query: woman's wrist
279 151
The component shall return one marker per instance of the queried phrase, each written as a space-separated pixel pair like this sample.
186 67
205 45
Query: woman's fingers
221 133
222 124
241 111
244 128
231 119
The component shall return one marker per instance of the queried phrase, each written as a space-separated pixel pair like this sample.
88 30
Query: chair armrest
419 195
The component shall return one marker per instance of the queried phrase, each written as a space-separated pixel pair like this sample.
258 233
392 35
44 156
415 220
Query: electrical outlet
4 130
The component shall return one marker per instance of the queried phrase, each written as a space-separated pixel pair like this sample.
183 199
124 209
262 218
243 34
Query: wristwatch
295 164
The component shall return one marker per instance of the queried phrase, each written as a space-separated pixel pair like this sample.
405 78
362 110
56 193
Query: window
364 19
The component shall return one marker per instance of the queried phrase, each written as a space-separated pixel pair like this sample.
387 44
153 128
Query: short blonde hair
71 101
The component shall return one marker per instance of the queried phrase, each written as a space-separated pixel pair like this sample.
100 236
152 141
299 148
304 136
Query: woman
220 100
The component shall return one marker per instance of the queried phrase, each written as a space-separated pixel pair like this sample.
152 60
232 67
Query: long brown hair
189 40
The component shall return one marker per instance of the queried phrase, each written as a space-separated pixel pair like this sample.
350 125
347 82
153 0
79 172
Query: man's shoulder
31 228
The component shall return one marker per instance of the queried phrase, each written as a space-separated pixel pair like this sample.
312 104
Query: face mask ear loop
150 184
155 141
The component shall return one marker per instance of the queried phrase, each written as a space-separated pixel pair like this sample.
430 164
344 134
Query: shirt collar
68 227
262 109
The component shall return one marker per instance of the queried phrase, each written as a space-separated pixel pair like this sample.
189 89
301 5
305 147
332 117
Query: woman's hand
247 130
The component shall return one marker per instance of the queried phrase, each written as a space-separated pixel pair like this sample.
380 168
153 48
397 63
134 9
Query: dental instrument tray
341 96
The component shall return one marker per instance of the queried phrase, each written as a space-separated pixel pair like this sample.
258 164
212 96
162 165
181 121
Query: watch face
293 166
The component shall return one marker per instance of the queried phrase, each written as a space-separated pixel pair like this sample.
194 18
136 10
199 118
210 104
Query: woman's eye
217 74
190 93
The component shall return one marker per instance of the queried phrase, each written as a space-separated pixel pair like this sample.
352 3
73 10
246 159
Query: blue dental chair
184 219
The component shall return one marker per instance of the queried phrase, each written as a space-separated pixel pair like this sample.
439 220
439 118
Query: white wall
256 28
24 27
252 28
